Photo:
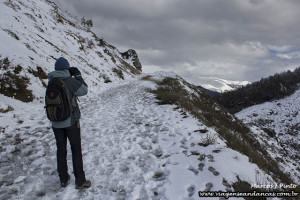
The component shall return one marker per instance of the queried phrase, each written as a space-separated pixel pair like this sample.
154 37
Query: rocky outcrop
133 58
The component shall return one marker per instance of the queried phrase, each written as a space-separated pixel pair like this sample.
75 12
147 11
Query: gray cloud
231 39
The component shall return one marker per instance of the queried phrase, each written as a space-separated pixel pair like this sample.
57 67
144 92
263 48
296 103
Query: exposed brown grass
119 73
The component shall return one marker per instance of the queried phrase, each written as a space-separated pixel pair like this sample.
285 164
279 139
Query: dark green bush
39 72
18 69
15 86
12 84
5 64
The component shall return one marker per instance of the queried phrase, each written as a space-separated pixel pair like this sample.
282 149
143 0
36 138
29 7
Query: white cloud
248 49
237 39
212 68
289 56
152 68
151 53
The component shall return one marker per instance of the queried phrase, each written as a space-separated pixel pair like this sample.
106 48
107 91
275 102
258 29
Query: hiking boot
86 184
64 184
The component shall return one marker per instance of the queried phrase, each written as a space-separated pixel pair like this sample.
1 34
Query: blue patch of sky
290 50
273 51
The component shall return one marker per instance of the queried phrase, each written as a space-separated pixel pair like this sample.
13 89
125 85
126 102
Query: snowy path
132 149
121 137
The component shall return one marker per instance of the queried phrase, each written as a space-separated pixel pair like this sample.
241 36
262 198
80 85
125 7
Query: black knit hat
62 64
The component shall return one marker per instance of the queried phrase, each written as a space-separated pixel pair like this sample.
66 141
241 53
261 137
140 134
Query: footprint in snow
200 166
145 145
183 146
185 152
124 168
194 153
194 170
210 158
208 187
154 140
159 176
157 152
216 151
213 170
191 190
172 135
201 157
183 141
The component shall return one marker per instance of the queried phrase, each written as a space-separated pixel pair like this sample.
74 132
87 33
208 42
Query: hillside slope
277 125
35 33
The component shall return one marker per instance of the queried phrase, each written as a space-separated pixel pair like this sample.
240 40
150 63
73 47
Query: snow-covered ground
133 148
281 119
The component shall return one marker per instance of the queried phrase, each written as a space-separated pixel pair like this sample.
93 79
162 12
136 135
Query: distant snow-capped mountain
213 83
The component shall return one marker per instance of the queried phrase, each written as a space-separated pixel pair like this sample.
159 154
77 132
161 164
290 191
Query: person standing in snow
69 128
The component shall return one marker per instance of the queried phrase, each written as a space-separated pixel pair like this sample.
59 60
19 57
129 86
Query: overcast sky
231 39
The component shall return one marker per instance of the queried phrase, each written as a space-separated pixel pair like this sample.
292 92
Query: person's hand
74 71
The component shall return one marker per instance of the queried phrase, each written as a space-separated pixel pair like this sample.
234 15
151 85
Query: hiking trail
132 148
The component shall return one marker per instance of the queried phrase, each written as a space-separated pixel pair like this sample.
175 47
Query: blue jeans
73 134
